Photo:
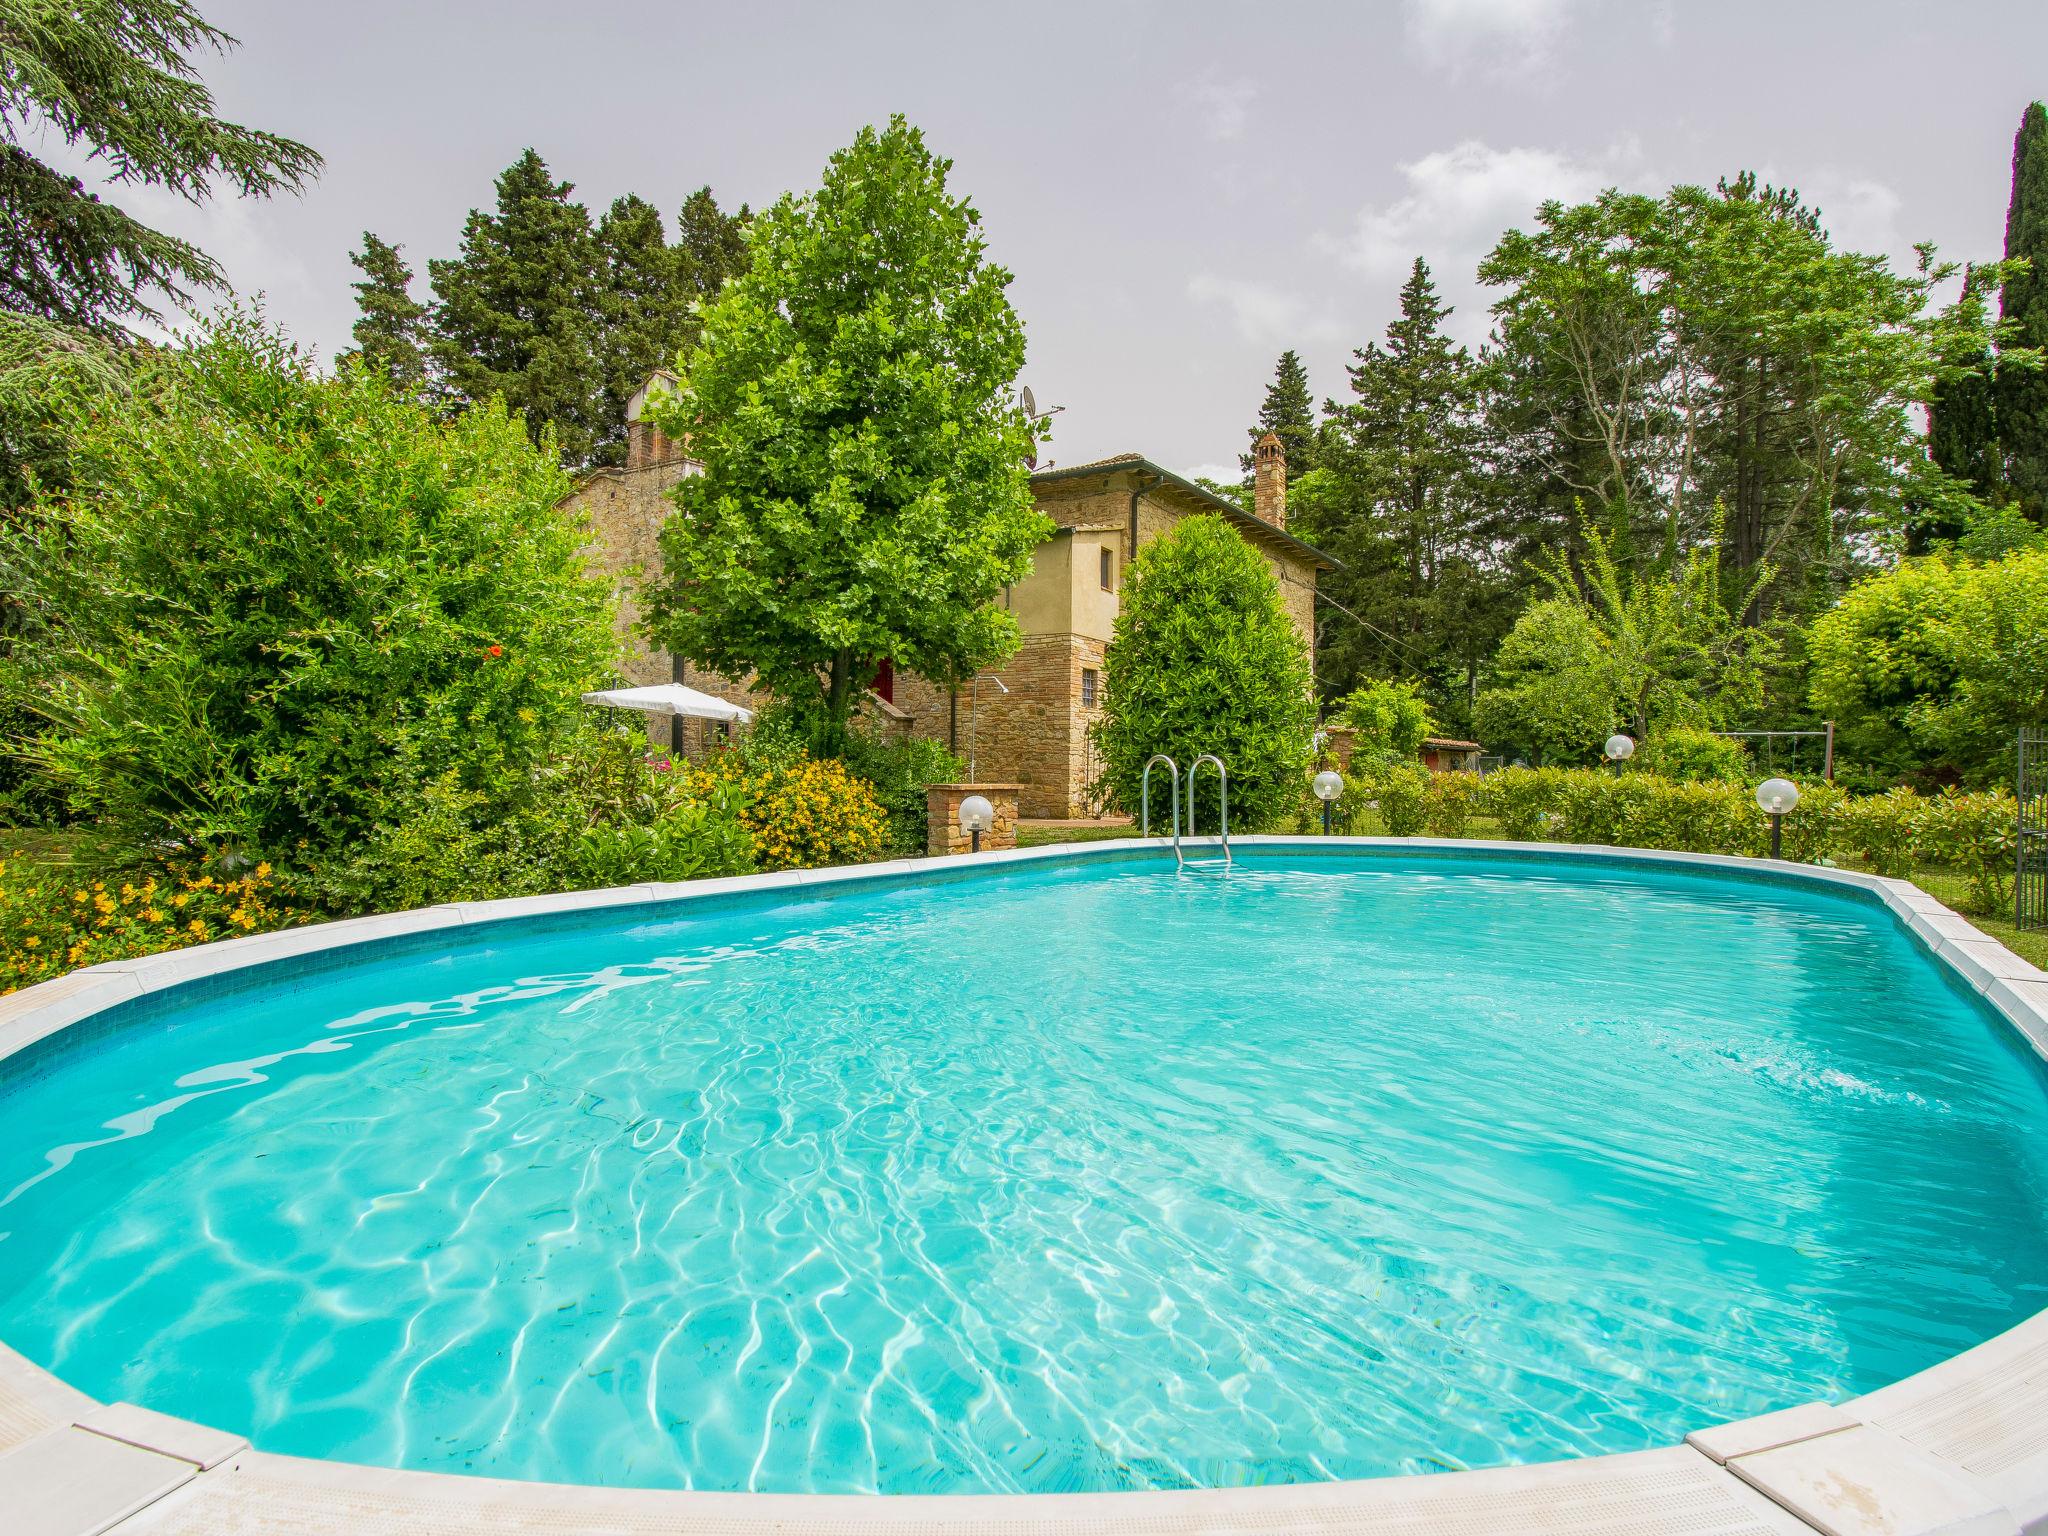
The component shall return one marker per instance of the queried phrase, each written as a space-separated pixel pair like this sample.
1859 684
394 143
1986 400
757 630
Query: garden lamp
976 817
1620 748
1329 784
1774 797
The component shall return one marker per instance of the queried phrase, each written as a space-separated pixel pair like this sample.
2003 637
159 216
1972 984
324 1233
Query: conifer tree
390 332
519 312
1289 413
2022 393
647 290
713 242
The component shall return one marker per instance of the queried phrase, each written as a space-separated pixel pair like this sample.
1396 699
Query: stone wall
942 810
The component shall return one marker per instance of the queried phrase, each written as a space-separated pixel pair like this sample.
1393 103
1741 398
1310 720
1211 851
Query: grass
57 849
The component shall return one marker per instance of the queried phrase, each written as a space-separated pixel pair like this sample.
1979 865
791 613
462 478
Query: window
1088 685
1108 569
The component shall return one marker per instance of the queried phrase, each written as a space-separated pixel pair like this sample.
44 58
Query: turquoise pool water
1086 1176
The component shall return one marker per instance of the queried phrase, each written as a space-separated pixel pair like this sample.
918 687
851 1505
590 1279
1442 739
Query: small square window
1088 687
1108 570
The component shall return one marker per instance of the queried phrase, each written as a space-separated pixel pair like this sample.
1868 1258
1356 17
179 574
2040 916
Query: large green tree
519 313
864 495
273 604
391 325
1289 413
117 81
116 77
1402 504
1962 424
1204 658
2022 392
1713 347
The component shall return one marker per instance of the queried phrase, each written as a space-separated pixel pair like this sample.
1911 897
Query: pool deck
1960 1449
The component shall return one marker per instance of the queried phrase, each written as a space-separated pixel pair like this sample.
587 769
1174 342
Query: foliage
1962 427
804 813
1400 791
116 76
1548 693
1204 658
516 314
1390 719
2021 384
1289 413
1883 829
1669 353
864 495
1447 802
898 769
1403 505
273 601
1975 833
390 333
55 920
1691 755
1934 666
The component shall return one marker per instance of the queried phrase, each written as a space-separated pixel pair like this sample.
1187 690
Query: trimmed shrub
1883 828
1973 833
1205 659
1447 803
1401 791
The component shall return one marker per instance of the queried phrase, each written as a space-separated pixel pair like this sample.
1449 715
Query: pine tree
713 242
2022 394
647 291
1289 413
391 333
1404 517
115 77
519 312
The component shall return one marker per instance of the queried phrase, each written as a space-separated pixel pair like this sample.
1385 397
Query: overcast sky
1182 188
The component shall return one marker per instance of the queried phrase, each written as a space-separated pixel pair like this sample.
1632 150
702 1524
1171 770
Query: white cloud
1456 204
1261 312
1501 36
1223 106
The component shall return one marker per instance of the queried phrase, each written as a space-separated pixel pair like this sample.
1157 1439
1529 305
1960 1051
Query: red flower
497 650
319 501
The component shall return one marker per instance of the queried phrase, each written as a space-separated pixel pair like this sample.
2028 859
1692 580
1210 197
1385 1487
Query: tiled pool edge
1961 1447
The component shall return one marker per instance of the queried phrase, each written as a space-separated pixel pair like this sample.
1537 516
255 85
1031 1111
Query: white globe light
976 814
1621 748
1329 784
1777 796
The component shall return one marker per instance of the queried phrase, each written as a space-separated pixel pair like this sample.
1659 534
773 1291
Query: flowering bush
56 920
805 813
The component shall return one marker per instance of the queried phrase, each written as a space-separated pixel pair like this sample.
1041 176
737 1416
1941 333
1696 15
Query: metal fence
2030 846
1796 752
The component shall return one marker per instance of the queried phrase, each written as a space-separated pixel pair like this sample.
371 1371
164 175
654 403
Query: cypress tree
2022 394
713 242
519 312
646 297
1288 412
390 332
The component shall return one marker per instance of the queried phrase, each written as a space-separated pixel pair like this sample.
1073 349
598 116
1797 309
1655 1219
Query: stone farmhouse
1035 734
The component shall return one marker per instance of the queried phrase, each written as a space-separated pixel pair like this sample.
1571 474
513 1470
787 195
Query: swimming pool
1076 1174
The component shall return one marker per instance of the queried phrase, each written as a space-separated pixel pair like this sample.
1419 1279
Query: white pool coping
1961 1448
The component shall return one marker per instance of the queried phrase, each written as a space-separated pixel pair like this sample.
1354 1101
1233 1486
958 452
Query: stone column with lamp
943 831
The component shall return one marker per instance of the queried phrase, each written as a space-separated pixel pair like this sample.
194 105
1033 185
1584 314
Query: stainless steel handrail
1223 791
1145 797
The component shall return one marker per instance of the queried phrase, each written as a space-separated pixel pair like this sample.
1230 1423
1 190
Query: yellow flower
31 942
262 871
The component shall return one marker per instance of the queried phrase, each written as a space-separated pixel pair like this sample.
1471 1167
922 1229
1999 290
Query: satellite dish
1029 401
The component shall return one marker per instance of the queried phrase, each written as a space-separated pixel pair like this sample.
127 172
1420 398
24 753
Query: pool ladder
1173 778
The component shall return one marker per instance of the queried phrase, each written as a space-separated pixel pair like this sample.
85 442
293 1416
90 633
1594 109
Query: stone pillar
942 817
1337 743
1269 481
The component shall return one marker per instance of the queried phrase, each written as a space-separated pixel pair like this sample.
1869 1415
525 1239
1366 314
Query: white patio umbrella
670 699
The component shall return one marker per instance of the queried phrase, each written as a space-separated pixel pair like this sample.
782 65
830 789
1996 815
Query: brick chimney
645 442
1269 480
